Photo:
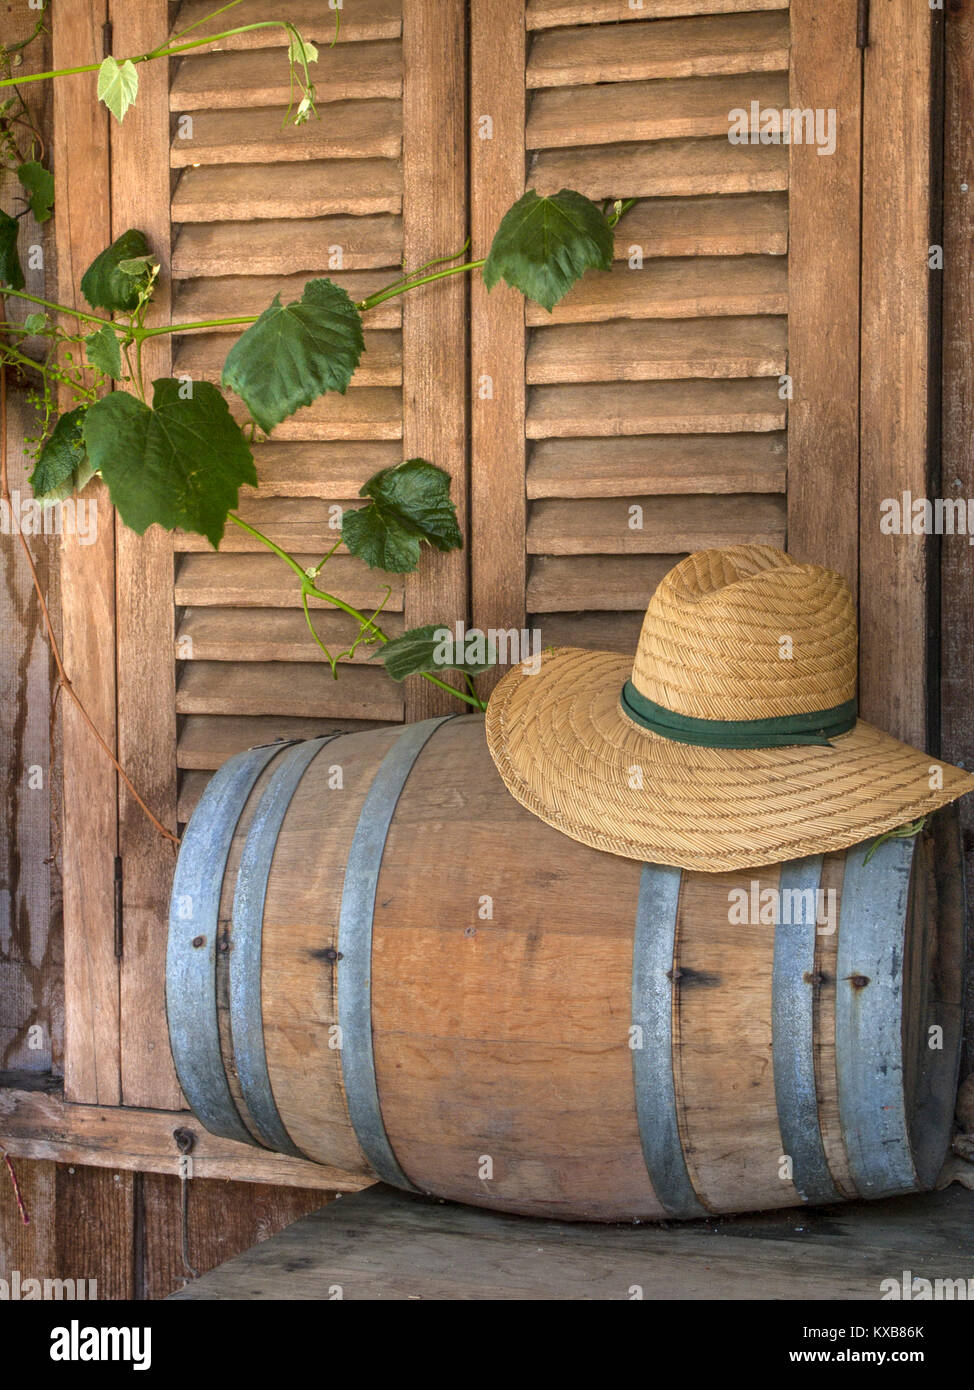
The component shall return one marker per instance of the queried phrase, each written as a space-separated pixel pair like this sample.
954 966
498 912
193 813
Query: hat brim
568 753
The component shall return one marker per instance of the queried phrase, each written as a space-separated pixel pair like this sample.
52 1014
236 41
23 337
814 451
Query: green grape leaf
300 51
104 352
10 271
296 352
138 266
180 463
35 323
118 86
62 465
543 245
433 649
410 504
106 285
40 185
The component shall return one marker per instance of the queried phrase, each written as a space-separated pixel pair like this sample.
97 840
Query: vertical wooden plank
434 317
223 1220
497 391
31 974
94 1219
894 569
31 1248
80 1227
83 229
957 588
146 675
31 967
823 293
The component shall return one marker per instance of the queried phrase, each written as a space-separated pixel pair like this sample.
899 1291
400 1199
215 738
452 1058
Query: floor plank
387 1245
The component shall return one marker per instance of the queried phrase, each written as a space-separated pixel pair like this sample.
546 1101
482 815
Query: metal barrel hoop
654 944
869 1017
793 1031
191 1004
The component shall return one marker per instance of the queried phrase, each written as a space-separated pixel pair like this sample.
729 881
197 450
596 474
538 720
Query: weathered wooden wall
118 1227
31 974
124 1229
957 460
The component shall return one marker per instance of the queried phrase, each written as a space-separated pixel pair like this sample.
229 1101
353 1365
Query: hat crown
748 633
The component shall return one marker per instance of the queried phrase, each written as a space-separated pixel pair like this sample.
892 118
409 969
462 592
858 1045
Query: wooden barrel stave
562 918
500 1041
934 983
299 971
722 1047
823 1028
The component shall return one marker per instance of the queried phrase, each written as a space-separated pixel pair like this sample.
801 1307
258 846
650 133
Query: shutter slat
670 525
202 355
661 349
303 528
262 581
717 44
270 634
192 785
352 130
737 225
667 110
229 296
217 81
607 632
623 467
323 469
545 14
314 19
685 288
206 741
662 169
557 584
664 407
325 188
308 689
364 412
366 243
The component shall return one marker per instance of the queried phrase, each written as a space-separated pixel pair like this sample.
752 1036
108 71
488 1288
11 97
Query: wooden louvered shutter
259 210
656 387
663 385
213 651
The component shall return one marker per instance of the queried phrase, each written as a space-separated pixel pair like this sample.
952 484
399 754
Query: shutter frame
498 347
824 272
140 197
87 579
434 330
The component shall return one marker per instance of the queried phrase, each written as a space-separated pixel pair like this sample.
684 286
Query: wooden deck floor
388 1245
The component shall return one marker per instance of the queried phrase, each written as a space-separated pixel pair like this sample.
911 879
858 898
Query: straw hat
730 741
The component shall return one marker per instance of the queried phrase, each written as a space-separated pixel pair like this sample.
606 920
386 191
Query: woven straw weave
711 647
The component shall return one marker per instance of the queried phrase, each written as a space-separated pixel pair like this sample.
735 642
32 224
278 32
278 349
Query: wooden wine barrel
378 960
